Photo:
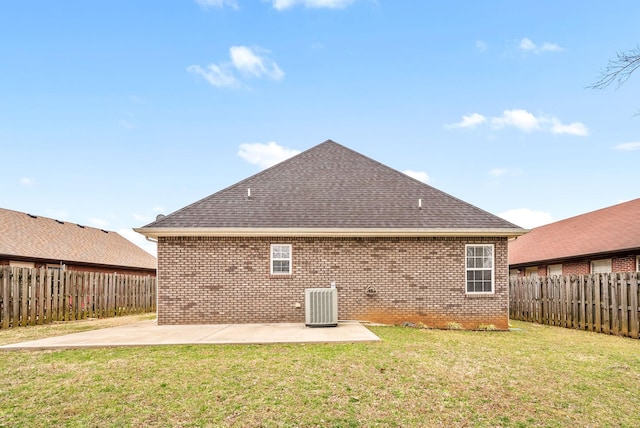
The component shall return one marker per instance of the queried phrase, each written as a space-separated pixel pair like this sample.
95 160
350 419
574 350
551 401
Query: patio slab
149 333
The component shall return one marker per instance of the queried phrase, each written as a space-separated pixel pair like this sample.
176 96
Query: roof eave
156 232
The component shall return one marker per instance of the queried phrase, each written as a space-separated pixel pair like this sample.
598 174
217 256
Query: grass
538 376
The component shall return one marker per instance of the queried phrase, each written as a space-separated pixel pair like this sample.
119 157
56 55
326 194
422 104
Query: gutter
156 232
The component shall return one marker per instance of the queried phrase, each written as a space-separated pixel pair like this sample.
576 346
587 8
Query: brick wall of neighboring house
84 268
227 280
118 270
581 267
625 263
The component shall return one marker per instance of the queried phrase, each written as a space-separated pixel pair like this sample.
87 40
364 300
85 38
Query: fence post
624 304
633 303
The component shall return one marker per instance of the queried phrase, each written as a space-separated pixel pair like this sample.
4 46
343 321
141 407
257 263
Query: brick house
396 249
605 240
32 241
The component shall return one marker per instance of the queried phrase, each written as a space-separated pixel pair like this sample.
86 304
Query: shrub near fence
41 296
604 303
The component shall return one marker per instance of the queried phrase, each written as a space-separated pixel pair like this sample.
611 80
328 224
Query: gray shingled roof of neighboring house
329 187
26 236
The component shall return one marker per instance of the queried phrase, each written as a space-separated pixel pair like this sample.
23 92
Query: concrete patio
148 333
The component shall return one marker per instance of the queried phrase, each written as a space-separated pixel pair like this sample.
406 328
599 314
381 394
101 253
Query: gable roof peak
330 187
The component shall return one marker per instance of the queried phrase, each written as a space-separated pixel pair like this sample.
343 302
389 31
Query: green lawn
538 376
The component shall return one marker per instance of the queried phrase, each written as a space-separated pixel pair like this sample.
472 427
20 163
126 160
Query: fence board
633 304
6 298
614 304
606 303
624 305
40 296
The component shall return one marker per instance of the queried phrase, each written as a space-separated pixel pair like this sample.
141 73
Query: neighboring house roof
334 191
26 236
607 230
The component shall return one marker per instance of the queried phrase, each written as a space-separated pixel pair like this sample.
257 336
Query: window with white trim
479 263
28 265
601 266
280 259
554 270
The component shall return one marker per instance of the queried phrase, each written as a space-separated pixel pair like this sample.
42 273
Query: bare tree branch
619 69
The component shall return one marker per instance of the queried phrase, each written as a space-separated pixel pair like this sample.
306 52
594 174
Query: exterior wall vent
321 307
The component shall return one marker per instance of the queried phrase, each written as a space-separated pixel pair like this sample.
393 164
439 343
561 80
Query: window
601 266
28 265
531 271
479 268
554 270
280 259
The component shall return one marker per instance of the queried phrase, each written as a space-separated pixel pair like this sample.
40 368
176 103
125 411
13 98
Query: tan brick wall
227 280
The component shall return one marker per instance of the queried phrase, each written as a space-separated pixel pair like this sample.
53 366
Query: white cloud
98 222
501 172
218 76
265 155
313 4
468 121
418 175
481 46
527 218
628 147
139 240
249 62
59 214
519 118
218 3
574 128
141 218
27 181
526 45
126 124
525 121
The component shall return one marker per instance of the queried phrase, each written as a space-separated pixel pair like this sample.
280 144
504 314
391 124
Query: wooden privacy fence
41 296
604 303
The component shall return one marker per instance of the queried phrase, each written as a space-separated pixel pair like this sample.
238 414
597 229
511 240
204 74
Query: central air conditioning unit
321 307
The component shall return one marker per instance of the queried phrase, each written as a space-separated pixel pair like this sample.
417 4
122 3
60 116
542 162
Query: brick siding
582 266
419 280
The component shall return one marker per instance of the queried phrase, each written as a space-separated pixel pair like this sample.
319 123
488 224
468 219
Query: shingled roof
330 190
607 230
29 237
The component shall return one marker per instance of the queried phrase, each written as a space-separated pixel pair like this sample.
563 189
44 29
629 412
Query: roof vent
32 216
419 203
160 217
61 222
80 226
105 231
249 193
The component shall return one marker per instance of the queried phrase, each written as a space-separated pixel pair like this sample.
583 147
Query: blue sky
112 112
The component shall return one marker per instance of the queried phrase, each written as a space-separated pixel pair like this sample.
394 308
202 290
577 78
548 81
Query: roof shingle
607 230
330 187
36 237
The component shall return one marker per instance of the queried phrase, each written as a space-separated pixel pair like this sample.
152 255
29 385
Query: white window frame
531 271
24 265
473 267
556 267
637 263
275 257
597 266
